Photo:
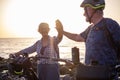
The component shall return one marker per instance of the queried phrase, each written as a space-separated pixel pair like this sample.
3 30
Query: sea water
12 45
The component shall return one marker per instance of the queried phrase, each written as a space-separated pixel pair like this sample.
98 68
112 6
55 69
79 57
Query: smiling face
43 29
88 12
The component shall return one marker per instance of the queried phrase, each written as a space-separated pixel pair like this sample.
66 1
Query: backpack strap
108 34
110 38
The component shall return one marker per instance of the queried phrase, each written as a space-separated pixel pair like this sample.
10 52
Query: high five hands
59 26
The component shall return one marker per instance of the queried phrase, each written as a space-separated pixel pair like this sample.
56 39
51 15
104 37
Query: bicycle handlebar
68 62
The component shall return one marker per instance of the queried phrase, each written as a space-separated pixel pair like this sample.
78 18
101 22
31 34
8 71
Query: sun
22 17
17 19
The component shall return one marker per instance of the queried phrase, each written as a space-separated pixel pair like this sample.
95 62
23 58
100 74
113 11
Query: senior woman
47 46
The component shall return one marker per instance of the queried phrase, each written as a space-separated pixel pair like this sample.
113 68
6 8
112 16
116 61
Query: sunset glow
20 18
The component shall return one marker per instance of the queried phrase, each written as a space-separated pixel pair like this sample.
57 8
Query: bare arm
75 37
59 28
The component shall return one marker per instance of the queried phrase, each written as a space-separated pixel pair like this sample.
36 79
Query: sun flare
22 17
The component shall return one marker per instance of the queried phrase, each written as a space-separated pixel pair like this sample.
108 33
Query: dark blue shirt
98 47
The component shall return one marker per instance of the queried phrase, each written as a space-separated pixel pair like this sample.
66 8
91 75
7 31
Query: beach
12 45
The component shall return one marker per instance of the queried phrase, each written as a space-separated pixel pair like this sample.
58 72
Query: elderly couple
97 45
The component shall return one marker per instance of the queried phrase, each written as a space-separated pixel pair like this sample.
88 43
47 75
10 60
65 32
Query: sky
20 18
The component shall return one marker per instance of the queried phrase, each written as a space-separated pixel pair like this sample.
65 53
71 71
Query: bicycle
24 68
19 68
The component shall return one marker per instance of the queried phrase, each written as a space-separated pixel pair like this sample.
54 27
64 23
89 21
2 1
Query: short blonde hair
41 25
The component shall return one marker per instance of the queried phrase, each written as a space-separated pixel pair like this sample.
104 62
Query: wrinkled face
88 12
44 30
